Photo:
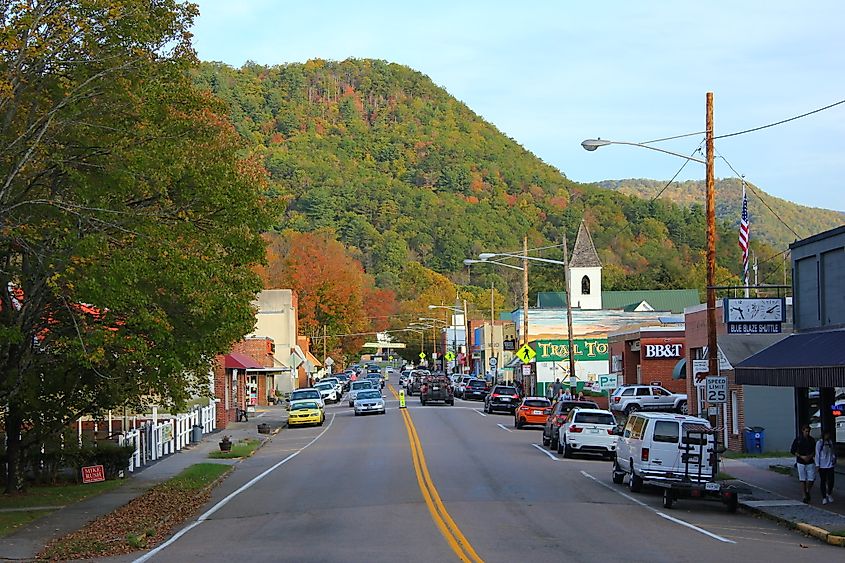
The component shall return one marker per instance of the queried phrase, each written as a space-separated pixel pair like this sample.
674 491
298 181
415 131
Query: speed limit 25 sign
717 389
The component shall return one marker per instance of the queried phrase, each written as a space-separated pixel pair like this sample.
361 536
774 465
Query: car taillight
494 395
575 429
515 396
644 456
610 431
616 399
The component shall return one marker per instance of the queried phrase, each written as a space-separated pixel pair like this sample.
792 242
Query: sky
550 74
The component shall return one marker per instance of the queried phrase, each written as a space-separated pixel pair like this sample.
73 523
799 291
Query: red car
532 410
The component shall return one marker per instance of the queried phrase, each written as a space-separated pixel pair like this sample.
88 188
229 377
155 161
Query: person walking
826 463
556 387
804 450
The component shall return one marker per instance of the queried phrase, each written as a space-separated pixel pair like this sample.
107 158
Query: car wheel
618 474
733 502
668 499
683 407
632 408
555 442
546 441
635 483
561 447
422 401
356 413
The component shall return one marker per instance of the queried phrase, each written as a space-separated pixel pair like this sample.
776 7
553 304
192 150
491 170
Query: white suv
632 398
588 431
664 447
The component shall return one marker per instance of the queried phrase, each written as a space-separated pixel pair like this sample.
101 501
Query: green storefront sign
588 349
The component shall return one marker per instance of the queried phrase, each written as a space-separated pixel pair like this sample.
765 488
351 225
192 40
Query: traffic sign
422 355
450 355
607 382
329 362
390 358
526 353
717 389
494 362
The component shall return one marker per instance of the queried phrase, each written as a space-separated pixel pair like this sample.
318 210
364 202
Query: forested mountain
763 209
402 171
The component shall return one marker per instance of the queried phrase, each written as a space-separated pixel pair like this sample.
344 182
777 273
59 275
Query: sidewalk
26 542
778 497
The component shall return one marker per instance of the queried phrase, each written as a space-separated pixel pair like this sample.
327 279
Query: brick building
243 378
649 355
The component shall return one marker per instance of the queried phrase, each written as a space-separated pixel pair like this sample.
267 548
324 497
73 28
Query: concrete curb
803 527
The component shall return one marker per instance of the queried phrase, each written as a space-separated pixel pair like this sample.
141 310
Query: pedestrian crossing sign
450 355
526 353
422 355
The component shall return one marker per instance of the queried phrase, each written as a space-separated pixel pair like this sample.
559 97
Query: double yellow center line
456 540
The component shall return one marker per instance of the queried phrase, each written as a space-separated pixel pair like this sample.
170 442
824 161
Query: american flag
743 235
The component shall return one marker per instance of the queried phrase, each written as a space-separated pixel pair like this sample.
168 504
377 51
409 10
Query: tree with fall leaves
129 221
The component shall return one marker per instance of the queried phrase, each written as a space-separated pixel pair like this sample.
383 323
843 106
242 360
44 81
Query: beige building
276 318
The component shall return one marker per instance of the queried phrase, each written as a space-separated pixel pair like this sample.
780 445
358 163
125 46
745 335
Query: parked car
369 401
328 392
436 388
307 393
501 398
588 431
476 389
306 412
657 447
551 431
632 398
532 410
358 386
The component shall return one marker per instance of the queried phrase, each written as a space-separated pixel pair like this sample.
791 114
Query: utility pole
324 346
467 352
492 320
712 347
571 346
525 290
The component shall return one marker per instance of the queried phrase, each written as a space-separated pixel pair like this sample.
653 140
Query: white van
659 447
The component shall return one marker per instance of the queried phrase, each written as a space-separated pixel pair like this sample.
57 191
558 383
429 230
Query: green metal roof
673 300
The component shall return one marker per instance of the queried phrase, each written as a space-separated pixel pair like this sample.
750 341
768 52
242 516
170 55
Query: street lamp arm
469 261
520 256
593 144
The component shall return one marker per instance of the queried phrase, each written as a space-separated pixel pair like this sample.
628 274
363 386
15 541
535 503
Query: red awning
239 361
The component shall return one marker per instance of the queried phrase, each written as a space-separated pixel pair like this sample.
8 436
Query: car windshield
358 385
477 383
506 390
304 405
309 394
369 394
325 386
595 418
537 403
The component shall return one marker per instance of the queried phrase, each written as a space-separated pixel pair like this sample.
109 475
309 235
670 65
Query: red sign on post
93 473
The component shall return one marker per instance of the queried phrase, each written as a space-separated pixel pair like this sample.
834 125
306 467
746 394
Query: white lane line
479 412
661 514
542 449
502 426
204 516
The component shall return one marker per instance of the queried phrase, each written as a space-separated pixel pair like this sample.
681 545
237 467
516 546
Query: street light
486 258
469 261
593 144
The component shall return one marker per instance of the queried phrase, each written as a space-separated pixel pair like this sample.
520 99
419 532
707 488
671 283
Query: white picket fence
158 438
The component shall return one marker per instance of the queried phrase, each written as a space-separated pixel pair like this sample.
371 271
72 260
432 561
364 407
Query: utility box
755 438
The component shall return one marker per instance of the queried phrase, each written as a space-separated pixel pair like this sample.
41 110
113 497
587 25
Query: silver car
356 386
369 401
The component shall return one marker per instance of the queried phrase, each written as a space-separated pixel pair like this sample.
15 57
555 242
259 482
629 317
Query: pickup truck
436 388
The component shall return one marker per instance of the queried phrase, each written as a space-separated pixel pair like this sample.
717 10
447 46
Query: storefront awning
806 359
680 369
239 361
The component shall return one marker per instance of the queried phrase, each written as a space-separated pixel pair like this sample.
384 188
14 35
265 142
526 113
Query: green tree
129 219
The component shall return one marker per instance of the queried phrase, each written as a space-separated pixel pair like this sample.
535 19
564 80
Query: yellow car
306 412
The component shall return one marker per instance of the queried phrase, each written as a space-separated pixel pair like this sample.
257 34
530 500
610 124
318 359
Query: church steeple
585 272
584 253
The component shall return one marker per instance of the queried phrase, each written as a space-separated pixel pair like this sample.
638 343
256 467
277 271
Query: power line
742 177
781 122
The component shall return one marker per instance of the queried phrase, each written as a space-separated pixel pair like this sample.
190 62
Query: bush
112 457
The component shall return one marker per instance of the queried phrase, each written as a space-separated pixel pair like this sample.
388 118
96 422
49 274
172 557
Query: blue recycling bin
754 439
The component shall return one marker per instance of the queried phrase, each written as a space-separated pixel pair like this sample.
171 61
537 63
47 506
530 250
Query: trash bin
754 439
196 433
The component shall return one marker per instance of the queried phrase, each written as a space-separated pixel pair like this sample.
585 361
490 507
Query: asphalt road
471 488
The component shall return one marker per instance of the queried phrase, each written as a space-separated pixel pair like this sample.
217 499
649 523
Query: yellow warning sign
526 353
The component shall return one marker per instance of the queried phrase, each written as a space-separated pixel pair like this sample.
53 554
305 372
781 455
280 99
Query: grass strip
144 521
244 448
46 495
722 476
840 533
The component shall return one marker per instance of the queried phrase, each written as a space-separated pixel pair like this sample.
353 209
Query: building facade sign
589 349
661 351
